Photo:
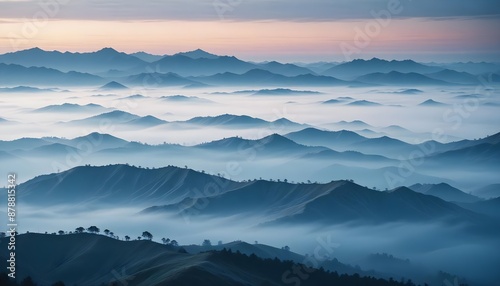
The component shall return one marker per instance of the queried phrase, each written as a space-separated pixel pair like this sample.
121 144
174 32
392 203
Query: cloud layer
244 10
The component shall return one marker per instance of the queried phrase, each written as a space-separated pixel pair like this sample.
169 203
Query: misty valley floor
363 169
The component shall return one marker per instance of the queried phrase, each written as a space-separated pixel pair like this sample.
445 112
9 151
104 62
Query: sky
258 30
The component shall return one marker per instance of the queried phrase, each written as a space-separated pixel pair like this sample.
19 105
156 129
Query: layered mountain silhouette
452 76
143 262
71 108
445 192
93 62
118 117
27 89
113 85
357 68
12 74
263 77
399 78
155 79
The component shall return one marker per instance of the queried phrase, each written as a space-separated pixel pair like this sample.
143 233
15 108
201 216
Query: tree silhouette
106 231
93 229
80 229
174 243
206 243
61 232
127 238
147 235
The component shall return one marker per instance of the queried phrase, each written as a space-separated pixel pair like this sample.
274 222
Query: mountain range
198 68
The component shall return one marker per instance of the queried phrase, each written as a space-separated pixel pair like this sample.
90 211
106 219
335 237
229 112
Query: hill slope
86 259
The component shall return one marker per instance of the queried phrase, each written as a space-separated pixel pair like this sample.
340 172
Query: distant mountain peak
107 50
113 85
431 102
198 54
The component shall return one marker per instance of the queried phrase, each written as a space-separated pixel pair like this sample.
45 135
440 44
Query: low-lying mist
429 246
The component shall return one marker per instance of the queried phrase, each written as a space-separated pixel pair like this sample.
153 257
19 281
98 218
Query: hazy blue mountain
96 141
147 57
351 202
117 184
410 91
285 69
118 117
146 121
284 91
318 67
473 68
454 77
275 91
11 74
198 54
183 98
188 66
231 120
444 192
493 139
135 96
27 89
152 80
431 102
22 144
385 146
53 150
489 207
399 78
488 192
227 119
337 140
113 85
144 262
483 155
272 145
272 199
262 77
113 117
364 103
336 202
333 101
350 125
99 61
351 156
357 68
71 108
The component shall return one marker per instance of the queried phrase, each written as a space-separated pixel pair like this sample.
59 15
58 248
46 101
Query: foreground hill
87 259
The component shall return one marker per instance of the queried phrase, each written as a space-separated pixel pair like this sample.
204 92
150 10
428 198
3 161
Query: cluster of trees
291 273
146 235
